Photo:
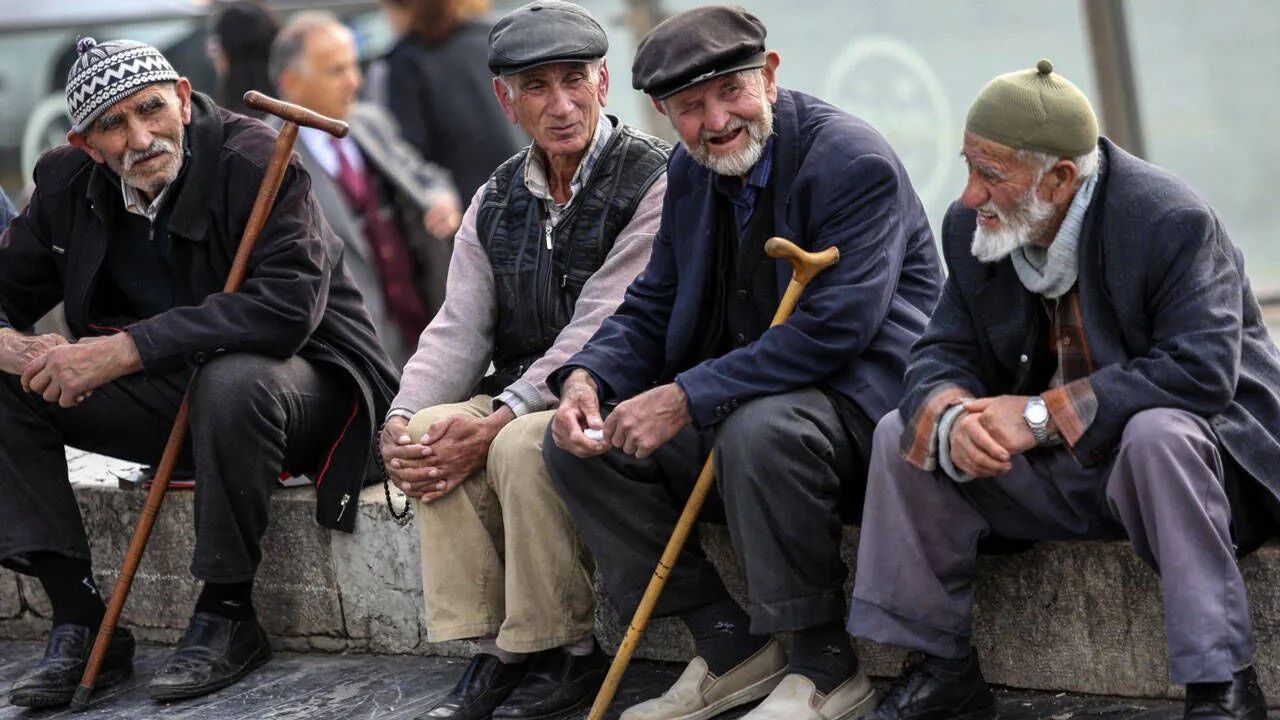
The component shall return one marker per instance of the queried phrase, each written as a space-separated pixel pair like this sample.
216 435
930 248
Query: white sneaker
699 694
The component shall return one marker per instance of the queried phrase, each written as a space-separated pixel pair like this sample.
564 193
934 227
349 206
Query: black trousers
251 418
783 464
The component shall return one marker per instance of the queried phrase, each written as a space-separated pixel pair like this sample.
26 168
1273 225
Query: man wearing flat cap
545 251
691 364
133 226
1097 367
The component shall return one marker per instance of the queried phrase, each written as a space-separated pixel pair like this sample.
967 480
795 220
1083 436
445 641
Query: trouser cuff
872 622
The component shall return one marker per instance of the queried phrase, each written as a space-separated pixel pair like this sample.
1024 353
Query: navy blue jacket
836 183
1169 319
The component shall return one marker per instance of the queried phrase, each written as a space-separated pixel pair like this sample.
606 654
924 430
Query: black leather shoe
556 685
485 684
214 653
1241 699
931 688
54 680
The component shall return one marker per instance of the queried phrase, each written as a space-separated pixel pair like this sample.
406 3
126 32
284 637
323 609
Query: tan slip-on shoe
796 698
698 694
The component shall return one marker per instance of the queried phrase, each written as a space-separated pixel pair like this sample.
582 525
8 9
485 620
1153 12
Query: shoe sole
749 694
37 698
166 694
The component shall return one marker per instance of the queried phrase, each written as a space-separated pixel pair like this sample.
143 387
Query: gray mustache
158 146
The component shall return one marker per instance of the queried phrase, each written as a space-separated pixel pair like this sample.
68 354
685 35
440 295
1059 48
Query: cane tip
80 702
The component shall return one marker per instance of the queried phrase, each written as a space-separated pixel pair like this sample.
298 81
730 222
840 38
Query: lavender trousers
1163 490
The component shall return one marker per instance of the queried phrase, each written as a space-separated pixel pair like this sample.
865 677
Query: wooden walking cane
805 266
294 116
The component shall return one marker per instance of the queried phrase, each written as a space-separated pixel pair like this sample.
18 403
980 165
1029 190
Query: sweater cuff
943 430
919 444
522 397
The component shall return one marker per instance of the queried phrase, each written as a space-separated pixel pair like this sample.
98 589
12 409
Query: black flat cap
543 32
697 45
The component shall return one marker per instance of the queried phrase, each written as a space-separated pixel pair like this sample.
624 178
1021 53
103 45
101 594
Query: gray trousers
1163 490
781 463
251 417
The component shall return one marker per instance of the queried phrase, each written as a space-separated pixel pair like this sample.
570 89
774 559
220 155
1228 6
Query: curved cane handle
804 264
295 114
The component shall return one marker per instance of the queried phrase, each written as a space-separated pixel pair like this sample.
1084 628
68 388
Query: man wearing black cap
789 411
133 226
543 256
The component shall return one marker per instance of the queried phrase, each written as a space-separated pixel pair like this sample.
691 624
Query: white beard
740 162
1023 226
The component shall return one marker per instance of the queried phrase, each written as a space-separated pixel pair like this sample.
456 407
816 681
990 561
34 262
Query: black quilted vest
536 288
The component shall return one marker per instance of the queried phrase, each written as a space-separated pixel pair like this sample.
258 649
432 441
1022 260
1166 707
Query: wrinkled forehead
550 71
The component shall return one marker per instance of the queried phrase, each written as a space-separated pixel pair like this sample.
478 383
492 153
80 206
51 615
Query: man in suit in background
395 211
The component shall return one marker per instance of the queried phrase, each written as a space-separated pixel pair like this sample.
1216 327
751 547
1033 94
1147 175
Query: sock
71 589
489 646
721 631
229 600
950 665
582 648
824 654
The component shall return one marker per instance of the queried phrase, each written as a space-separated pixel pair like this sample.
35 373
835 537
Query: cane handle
805 264
295 114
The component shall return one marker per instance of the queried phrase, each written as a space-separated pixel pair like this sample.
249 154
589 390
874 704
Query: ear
82 142
183 90
504 99
1062 182
771 62
603 90
658 105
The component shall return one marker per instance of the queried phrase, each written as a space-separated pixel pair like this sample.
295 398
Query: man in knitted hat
692 364
545 252
133 226
1096 368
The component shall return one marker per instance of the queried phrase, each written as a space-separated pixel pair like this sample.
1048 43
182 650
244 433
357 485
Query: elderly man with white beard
691 364
1097 367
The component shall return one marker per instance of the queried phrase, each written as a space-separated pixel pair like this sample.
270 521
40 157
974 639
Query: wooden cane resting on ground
294 116
805 265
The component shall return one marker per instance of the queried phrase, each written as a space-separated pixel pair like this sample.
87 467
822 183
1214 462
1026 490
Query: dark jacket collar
190 215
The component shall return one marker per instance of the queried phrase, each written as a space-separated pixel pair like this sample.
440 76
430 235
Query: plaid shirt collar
535 170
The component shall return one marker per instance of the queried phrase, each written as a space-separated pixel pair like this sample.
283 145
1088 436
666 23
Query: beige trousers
500 554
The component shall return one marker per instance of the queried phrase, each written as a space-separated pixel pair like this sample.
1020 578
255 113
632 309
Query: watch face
1036 413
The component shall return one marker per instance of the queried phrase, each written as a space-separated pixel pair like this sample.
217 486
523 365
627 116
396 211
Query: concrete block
10 599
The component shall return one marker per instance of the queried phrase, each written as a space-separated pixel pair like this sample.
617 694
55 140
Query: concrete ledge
1083 617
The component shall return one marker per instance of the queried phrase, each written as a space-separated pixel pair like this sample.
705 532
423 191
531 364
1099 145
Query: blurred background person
435 80
394 212
239 46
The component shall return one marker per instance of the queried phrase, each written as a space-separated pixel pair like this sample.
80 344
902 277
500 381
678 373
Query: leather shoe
556 684
55 679
1241 699
932 688
214 652
485 684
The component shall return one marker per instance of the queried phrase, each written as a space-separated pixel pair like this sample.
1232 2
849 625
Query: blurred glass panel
1207 77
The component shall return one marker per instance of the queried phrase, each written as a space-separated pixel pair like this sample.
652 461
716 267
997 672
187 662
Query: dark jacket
7 212
837 183
1169 317
297 300
442 97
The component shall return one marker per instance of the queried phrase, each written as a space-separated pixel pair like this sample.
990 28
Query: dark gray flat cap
697 45
543 32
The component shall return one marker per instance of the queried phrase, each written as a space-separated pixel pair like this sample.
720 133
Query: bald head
314 64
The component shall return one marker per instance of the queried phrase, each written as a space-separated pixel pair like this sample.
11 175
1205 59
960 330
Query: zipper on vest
547 233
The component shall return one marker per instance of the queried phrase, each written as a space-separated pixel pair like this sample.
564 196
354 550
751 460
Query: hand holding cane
294 116
805 266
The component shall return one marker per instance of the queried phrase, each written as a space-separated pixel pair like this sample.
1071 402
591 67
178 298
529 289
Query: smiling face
140 137
725 122
557 104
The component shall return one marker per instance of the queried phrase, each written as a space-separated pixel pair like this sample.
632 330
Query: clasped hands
63 372
987 436
637 426
453 448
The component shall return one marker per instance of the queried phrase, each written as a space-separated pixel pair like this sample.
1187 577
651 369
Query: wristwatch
1036 413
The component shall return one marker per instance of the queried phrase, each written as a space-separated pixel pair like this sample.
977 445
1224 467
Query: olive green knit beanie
1036 110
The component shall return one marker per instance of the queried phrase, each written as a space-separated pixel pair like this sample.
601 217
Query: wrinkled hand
457 447
402 457
579 410
974 451
68 373
18 350
443 216
647 421
1002 418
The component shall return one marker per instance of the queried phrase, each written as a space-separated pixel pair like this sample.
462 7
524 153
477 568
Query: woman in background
239 46
436 82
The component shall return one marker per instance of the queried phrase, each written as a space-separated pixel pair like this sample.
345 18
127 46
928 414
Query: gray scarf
1051 271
